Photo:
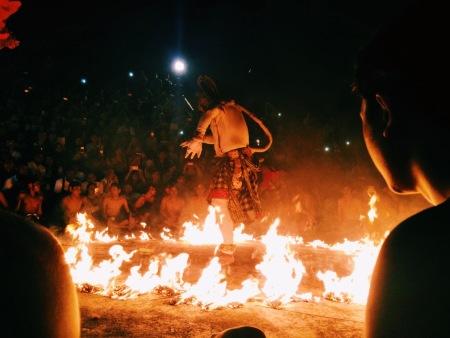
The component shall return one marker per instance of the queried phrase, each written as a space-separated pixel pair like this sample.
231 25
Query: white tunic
228 127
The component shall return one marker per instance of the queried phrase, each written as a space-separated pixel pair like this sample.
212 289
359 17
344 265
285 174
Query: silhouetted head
408 57
207 94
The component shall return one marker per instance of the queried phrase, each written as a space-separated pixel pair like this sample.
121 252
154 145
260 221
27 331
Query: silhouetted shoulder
240 332
408 282
39 292
428 225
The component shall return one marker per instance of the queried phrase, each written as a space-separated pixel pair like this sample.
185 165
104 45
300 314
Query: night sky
294 56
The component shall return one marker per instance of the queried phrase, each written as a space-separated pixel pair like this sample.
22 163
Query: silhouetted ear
387 114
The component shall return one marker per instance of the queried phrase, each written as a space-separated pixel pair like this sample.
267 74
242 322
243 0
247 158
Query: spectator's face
384 151
156 176
151 192
8 165
128 189
162 155
173 191
23 170
70 174
36 186
114 191
76 190
49 160
190 171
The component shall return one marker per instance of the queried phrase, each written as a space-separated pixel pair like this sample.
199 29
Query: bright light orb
179 66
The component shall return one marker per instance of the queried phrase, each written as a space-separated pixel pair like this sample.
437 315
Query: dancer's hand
194 147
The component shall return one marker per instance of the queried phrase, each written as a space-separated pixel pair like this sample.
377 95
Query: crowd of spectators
63 149
54 144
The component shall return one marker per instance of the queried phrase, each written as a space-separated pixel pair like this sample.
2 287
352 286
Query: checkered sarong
245 198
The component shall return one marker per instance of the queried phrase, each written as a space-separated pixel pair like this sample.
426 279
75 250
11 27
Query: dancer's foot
225 258
226 254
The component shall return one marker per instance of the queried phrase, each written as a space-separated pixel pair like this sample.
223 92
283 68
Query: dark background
289 57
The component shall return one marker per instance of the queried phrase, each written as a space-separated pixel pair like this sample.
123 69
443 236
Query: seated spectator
62 183
41 142
91 177
16 183
193 173
172 205
197 206
60 153
3 201
305 215
131 196
182 186
135 177
110 178
29 203
74 203
50 176
170 174
350 209
162 161
96 201
136 156
173 151
118 161
37 166
156 180
148 169
15 154
117 213
93 145
146 212
151 143
7 170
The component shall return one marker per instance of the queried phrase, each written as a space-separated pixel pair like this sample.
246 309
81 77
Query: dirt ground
154 315
148 316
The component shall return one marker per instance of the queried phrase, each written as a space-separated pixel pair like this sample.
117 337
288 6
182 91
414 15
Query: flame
373 209
210 292
167 272
279 272
355 287
209 233
282 271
